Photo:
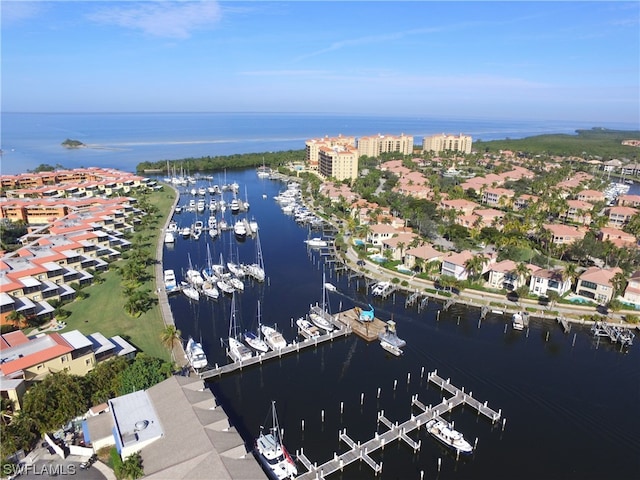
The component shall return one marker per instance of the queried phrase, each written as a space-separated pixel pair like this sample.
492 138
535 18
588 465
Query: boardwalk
294 347
395 431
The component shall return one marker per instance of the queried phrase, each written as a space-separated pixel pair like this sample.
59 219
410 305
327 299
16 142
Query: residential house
618 237
591 196
544 281
497 197
502 275
460 206
578 211
398 244
628 201
419 256
454 264
596 283
632 291
564 234
620 216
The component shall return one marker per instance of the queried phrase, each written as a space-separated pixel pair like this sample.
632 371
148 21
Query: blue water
30 139
570 402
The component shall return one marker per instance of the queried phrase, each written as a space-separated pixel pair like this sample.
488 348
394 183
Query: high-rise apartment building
438 143
313 145
374 145
338 161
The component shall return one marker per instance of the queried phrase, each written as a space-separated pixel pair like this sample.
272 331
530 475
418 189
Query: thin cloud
162 19
18 11
283 73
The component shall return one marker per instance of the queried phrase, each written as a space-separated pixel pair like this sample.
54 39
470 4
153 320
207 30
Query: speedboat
170 284
195 354
307 329
240 229
316 242
273 338
389 336
517 321
392 349
443 432
272 454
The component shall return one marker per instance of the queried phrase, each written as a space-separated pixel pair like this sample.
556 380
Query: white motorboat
234 206
272 337
307 329
238 351
170 283
517 321
394 350
239 229
195 354
185 232
443 432
316 242
169 237
253 339
271 452
172 227
390 336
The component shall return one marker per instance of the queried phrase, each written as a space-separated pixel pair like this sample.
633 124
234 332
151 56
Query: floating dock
395 431
368 331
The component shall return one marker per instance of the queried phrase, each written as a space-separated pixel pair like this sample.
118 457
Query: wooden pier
294 347
368 331
395 431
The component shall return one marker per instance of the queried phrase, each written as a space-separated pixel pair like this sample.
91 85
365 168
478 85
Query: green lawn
102 311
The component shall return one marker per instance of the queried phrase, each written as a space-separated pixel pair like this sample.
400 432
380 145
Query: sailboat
256 270
253 339
319 316
271 452
238 351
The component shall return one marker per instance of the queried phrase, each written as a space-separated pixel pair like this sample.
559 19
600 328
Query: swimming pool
376 257
357 241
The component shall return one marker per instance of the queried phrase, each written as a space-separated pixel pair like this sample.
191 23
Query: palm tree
523 272
619 283
170 336
475 265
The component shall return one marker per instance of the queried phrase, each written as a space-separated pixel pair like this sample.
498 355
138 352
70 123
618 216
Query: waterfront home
632 291
420 256
618 237
596 283
397 244
545 280
381 232
503 275
455 264
337 192
620 216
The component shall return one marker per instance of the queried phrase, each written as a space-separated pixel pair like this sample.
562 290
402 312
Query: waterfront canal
570 403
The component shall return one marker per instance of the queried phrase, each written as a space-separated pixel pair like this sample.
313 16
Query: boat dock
368 331
294 347
616 334
395 431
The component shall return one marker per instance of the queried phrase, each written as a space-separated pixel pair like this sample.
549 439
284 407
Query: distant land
69 143
598 142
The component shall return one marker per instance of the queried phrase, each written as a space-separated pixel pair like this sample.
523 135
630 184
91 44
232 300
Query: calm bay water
124 140
571 408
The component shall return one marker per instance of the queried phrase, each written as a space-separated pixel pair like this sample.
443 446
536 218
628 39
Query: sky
480 59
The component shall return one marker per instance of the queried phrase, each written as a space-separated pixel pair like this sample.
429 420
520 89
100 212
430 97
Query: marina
395 431
450 340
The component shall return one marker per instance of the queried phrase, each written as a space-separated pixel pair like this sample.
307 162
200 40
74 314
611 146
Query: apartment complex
443 142
313 146
339 162
374 145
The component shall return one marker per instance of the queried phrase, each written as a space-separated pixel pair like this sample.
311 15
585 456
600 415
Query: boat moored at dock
444 432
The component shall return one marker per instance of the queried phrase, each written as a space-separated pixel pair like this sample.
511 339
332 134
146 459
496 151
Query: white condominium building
313 147
438 143
374 145
339 162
